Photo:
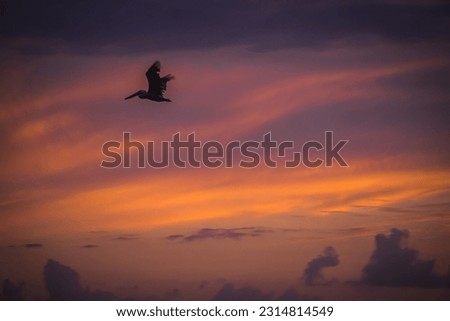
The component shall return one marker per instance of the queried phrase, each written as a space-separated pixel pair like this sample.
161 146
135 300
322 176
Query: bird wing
154 81
157 85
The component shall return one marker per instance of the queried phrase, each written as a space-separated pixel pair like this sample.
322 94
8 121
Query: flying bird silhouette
156 85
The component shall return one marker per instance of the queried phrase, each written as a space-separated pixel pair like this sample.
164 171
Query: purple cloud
313 272
221 233
394 264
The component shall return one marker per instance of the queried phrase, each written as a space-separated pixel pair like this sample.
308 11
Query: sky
376 74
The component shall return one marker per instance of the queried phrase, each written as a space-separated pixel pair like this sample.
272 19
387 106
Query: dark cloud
352 230
393 264
212 233
63 283
11 292
292 294
89 246
313 272
198 24
229 293
221 233
127 237
33 245
175 237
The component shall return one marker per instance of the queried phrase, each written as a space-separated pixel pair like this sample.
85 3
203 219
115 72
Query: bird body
157 85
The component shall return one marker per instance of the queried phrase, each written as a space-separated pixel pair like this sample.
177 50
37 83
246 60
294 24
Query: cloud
63 283
89 246
27 246
126 237
221 233
394 264
181 25
292 294
33 245
313 272
229 293
175 237
11 292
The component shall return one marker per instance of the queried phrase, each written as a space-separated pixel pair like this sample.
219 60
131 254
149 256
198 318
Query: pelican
156 85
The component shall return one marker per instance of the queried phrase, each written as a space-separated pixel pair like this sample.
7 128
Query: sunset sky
376 74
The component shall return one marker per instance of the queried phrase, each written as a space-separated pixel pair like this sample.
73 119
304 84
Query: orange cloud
236 98
150 201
